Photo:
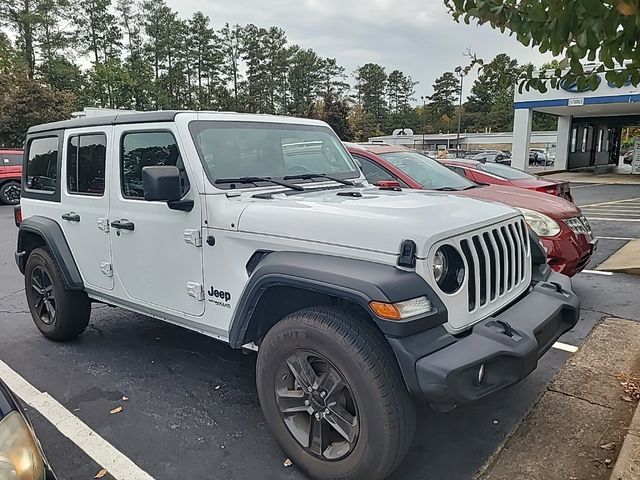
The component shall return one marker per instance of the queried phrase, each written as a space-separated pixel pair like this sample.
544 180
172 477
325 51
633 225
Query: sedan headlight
543 225
20 457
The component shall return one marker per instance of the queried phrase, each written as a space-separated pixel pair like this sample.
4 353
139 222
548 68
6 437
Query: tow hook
507 329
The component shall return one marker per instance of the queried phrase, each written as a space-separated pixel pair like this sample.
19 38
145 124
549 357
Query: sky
418 37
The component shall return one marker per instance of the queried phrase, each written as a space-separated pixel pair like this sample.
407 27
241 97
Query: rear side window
86 156
10 159
42 164
147 149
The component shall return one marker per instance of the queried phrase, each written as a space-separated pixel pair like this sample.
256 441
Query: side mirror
388 184
161 183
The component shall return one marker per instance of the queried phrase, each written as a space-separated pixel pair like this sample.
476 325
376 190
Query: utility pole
461 72
424 118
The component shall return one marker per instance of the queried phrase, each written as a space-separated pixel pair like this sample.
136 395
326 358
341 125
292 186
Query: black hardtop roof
112 119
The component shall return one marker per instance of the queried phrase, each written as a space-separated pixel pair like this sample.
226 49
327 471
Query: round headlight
448 269
540 223
439 265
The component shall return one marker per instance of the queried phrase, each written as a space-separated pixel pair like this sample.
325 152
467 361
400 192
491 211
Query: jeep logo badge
221 294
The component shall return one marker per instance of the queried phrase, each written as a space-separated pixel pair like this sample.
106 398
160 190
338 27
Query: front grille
579 225
497 262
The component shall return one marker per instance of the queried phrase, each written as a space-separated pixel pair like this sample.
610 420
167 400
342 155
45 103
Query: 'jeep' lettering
221 294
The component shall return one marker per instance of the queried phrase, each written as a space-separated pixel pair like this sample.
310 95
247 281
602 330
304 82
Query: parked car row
267 233
563 229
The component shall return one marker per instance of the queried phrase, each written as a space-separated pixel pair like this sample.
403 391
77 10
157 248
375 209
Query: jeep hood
369 218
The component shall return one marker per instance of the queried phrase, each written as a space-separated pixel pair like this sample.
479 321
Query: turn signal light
402 310
385 310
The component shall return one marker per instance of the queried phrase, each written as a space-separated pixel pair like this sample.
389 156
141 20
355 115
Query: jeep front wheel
333 395
60 314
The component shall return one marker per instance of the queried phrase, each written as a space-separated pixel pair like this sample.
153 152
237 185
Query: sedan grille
579 225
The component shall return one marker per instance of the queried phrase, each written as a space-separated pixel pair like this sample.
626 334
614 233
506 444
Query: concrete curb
627 467
625 260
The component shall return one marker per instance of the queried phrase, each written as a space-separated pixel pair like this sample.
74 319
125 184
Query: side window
458 170
147 149
86 156
42 164
11 159
373 172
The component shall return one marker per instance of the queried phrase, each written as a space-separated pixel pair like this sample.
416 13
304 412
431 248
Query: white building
589 123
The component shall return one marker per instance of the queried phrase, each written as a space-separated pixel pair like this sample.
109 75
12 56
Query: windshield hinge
195 290
106 268
193 237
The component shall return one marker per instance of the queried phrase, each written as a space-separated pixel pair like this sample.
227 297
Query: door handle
71 217
123 224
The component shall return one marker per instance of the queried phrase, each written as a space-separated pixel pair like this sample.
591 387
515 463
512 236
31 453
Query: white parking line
566 347
612 202
101 451
626 239
597 272
603 219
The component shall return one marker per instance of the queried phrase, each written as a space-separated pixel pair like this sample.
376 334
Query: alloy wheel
12 194
317 405
44 300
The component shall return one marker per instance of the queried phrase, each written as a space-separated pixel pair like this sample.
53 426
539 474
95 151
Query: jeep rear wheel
333 395
60 314
10 193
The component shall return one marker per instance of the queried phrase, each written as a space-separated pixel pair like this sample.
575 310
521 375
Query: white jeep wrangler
260 231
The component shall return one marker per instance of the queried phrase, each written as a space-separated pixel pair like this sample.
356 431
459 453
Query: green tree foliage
371 88
441 109
602 31
28 102
490 102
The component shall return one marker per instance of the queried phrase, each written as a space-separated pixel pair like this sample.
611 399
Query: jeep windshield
428 172
274 151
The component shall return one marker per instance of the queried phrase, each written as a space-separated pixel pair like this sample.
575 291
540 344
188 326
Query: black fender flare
358 281
51 233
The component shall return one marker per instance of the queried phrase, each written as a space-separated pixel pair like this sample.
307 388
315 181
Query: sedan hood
550 205
369 218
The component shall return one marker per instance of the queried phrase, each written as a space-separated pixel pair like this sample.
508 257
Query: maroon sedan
497 174
562 228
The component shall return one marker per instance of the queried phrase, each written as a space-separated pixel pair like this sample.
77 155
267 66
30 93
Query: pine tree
371 86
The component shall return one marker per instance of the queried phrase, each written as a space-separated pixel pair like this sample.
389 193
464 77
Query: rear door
85 203
157 252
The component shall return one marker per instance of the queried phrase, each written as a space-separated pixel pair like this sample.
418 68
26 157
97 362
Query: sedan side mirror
161 183
388 184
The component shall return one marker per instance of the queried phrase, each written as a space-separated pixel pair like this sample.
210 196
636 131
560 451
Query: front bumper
445 370
569 253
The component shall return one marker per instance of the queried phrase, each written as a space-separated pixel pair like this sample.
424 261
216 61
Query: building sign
575 102
635 165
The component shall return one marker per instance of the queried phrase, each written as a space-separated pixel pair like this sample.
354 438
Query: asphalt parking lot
191 408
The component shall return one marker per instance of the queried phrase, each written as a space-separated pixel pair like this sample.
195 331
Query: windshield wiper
292 186
311 176
478 185
446 189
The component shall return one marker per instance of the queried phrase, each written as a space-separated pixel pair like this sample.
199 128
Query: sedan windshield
428 172
281 151
504 171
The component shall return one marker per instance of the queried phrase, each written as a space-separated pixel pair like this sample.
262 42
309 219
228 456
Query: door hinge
195 290
193 237
106 268
103 224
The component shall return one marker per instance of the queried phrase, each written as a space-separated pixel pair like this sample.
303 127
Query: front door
85 210
157 254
